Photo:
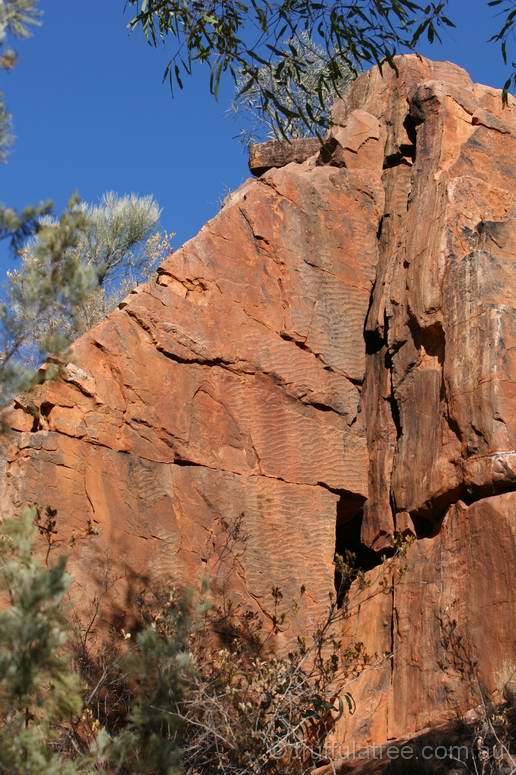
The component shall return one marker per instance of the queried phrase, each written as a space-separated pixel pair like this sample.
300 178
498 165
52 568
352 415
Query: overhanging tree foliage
241 37
296 92
504 35
16 19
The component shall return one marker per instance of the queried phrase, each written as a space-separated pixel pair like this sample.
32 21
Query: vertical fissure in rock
374 342
348 544
392 633
393 403
410 149
406 153
384 420
379 235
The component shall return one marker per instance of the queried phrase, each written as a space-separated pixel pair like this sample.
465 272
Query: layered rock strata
329 363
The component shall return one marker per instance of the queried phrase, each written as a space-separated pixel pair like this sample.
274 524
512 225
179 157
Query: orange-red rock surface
331 360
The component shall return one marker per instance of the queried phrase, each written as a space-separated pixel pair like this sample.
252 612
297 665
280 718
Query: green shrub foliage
39 691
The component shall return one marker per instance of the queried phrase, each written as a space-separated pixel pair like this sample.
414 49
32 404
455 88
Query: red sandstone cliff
332 359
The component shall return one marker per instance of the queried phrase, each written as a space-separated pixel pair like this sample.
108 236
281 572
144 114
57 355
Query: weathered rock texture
331 360
275 153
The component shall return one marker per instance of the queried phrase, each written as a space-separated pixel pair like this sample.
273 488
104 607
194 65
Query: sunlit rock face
330 361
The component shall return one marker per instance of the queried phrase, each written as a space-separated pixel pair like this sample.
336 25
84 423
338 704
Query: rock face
329 363
274 153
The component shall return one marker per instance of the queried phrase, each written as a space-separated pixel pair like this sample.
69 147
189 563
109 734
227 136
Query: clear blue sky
91 113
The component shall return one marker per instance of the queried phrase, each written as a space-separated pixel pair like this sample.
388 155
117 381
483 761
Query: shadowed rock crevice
374 342
406 153
348 542
430 341
429 518
41 415
393 402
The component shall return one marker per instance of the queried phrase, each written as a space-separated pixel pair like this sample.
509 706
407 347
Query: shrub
243 708
197 689
39 691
